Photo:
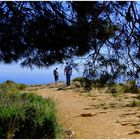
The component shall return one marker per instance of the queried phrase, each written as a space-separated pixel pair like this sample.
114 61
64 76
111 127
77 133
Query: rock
130 113
105 107
70 133
127 123
103 111
61 88
87 108
134 132
88 114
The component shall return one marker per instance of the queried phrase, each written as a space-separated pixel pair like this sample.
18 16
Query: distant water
18 74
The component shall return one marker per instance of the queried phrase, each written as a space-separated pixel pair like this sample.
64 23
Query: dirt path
99 115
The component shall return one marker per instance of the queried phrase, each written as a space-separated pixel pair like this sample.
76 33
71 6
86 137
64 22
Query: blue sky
25 75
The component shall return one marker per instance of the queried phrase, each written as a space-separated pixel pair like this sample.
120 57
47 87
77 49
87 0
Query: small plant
138 97
135 103
103 81
114 89
6 88
130 87
21 86
9 82
84 83
11 87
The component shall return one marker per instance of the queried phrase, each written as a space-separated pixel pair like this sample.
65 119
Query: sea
17 73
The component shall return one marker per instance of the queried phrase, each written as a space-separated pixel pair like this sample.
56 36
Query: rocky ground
93 115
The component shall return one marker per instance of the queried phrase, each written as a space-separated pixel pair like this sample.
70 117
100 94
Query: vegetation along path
94 115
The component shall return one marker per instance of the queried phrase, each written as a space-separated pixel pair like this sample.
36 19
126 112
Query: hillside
93 115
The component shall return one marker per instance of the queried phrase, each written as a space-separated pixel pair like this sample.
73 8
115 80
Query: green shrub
8 88
138 97
135 103
130 87
11 87
103 81
114 89
21 86
82 82
27 116
9 82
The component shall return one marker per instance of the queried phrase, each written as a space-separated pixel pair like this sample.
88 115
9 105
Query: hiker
55 73
68 73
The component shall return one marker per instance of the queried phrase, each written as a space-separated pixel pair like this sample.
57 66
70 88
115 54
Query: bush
138 97
135 103
9 82
103 81
21 86
8 88
114 89
130 87
11 87
82 82
27 116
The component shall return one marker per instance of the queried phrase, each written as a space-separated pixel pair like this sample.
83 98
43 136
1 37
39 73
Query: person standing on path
68 73
56 74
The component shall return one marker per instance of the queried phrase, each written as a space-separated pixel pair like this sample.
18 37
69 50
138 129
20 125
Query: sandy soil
95 115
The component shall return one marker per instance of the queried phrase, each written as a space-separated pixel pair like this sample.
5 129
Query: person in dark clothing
68 73
56 75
